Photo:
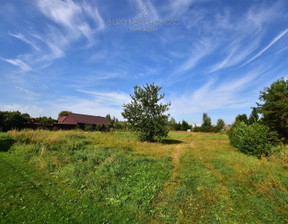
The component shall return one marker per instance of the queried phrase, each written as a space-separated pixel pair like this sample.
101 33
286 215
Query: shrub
255 139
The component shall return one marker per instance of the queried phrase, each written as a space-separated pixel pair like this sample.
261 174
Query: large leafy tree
274 107
145 114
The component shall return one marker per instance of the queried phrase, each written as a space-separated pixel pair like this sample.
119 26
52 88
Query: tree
220 125
185 126
145 114
46 121
207 124
64 113
254 117
242 117
274 107
13 120
173 124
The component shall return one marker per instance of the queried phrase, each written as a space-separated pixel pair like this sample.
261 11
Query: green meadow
78 177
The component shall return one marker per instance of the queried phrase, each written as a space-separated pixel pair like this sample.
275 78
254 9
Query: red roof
84 119
62 119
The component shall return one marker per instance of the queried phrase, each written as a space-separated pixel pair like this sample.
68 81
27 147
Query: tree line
17 120
205 127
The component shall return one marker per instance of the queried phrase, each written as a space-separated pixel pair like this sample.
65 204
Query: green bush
255 139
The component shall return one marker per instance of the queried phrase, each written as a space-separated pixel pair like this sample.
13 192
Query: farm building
82 121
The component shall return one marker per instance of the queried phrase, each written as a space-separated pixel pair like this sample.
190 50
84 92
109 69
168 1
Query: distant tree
185 126
115 123
242 117
207 124
46 121
274 107
172 124
254 117
145 114
64 113
197 128
219 126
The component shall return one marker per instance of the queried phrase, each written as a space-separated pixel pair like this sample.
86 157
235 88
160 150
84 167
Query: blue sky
85 56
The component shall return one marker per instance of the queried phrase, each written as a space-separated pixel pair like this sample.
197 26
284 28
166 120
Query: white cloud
96 103
72 16
180 6
109 98
238 52
19 63
24 39
27 94
213 96
62 12
268 46
73 21
32 110
202 49
259 14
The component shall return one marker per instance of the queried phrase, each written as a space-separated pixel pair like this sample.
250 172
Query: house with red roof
73 120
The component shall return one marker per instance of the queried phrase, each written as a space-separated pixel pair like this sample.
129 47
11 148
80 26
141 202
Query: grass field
78 177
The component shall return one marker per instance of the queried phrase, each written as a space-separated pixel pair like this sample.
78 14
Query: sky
212 56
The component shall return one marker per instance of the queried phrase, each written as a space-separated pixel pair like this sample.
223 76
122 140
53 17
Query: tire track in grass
165 205
211 198
210 166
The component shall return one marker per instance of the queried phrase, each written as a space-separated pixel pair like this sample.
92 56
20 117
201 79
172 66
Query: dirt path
166 197
178 152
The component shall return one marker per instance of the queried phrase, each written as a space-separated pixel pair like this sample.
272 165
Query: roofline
85 115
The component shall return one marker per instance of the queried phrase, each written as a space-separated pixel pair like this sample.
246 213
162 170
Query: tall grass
102 168
78 177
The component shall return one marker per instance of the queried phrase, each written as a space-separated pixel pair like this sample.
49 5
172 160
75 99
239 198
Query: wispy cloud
27 94
238 52
94 103
180 6
25 40
19 63
213 96
32 110
202 49
71 22
267 47
72 15
109 98
260 14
